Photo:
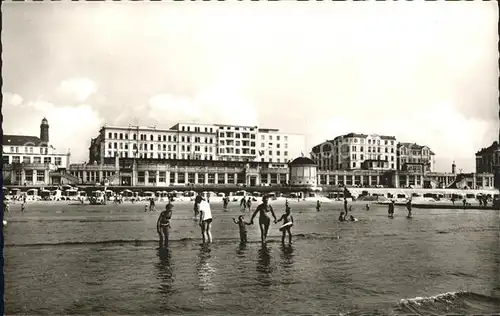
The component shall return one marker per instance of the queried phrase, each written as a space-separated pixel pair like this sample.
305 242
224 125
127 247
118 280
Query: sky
425 72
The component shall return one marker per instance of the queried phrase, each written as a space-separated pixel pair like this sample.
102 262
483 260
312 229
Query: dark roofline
490 149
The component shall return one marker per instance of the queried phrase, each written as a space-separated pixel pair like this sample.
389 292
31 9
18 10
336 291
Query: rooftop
22 140
488 150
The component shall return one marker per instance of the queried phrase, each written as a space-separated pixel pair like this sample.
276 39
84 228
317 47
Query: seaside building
488 161
303 172
32 160
411 156
357 152
192 141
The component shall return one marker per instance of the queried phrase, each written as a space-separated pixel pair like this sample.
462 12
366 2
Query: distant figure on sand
152 207
318 206
286 203
249 204
6 204
243 228
225 202
243 204
205 218
408 207
287 218
264 220
391 209
367 207
345 205
163 224
196 209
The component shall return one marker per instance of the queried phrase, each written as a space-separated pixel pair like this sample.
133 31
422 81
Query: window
278 153
270 153
58 161
40 176
140 176
286 153
37 159
29 175
110 135
152 177
151 137
26 159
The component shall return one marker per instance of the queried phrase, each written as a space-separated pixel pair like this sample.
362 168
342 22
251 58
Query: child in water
243 229
163 224
287 218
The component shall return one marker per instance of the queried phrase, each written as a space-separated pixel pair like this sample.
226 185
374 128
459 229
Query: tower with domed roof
44 131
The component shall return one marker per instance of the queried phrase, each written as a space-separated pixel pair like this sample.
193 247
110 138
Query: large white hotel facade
186 141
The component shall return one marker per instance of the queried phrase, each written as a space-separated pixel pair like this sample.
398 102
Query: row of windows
237 151
159 147
236 135
195 156
262 145
362 141
30 150
197 129
28 159
29 175
244 143
270 137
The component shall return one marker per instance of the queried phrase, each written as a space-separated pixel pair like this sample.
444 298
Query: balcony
22 165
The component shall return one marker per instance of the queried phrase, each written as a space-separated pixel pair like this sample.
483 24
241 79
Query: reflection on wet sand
165 271
264 266
204 269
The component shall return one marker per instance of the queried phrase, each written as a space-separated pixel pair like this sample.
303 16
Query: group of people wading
203 214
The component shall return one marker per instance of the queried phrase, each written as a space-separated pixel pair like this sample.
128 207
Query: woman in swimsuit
264 219
163 225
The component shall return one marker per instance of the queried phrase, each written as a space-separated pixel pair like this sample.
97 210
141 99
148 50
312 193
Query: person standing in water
243 229
264 220
391 209
318 206
163 224
286 218
205 218
243 204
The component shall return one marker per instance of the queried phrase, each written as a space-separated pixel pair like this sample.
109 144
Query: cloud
12 99
77 89
71 127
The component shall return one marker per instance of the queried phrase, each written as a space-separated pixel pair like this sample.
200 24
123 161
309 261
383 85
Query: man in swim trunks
163 224
264 220
205 218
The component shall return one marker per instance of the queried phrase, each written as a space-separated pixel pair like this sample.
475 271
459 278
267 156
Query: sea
70 259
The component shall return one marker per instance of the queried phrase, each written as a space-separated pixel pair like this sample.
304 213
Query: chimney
453 168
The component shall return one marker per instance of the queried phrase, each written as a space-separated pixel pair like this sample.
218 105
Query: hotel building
31 160
412 155
357 152
196 142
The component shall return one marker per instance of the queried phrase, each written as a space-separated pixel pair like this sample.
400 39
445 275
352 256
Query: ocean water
81 259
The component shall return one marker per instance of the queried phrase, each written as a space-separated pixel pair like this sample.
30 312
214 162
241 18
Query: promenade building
411 156
488 160
192 141
32 160
357 152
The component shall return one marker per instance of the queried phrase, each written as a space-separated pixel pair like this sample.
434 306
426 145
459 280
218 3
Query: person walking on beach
23 205
225 202
196 209
391 209
249 204
408 207
243 204
243 229
287 218
152 207
163 224
205 218
264 220
345 205
318 206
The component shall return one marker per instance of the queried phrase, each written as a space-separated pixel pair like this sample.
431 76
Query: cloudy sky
423 72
